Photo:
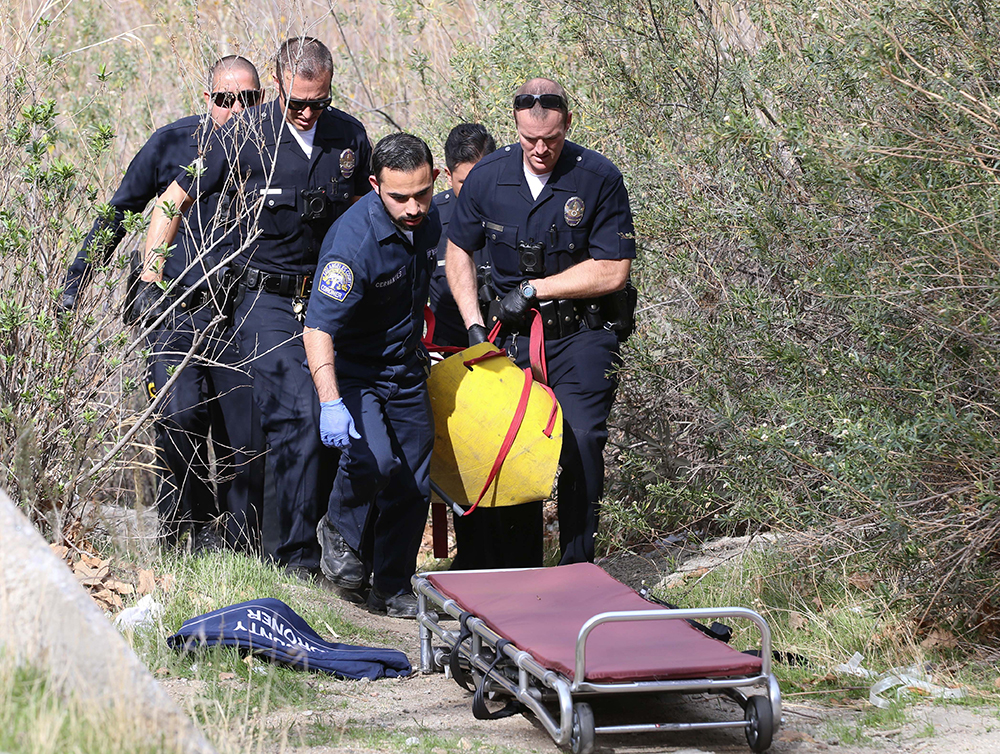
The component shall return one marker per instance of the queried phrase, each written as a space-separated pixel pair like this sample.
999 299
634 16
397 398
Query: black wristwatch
528 290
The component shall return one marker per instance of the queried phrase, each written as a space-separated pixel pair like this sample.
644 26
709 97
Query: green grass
238 700
38 718
824 617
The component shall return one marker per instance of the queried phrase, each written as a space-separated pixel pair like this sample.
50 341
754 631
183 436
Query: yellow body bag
476 395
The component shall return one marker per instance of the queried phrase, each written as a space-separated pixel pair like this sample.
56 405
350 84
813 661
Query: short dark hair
467 142
233 63
305 57
400 151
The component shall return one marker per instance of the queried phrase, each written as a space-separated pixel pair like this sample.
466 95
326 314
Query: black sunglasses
298 105
547 101
247 98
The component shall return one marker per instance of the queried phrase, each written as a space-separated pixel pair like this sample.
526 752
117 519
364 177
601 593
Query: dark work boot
339 563
402 605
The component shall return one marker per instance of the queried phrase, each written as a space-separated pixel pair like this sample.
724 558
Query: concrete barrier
50 622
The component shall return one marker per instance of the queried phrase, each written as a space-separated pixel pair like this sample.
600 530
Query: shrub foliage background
815 187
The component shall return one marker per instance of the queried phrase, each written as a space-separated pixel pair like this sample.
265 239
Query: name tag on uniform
269 191
494 226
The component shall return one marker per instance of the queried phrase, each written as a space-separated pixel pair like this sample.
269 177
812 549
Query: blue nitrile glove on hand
336 425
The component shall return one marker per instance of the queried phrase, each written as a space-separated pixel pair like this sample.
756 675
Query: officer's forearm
319 354
460 268
163 227
590 278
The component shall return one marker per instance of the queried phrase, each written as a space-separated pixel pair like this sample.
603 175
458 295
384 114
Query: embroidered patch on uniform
573 211
347 163
336 281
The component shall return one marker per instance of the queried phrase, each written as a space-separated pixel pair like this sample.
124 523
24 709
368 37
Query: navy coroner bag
270 628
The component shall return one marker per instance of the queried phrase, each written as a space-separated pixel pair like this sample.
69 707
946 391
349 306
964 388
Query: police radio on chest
316 205
531 258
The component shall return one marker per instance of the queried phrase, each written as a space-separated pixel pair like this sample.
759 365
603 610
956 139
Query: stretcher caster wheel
760 721
581 738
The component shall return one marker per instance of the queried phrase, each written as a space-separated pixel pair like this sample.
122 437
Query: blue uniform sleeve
339 283
137 188
612 234
465 229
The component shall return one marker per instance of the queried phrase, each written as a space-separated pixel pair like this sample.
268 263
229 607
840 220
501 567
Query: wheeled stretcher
551 638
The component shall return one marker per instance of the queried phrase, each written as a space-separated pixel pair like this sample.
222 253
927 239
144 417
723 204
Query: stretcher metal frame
523 678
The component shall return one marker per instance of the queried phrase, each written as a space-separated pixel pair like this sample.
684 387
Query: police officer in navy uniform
213 390
291 171
467 143
555 221
370 368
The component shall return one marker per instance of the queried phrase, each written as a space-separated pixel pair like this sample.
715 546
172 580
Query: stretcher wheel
581 738
761 723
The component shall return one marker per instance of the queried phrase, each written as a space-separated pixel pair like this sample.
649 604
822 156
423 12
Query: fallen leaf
940 638
996 683
797 621
121 587
147 582
93 561
862 581
226 676
61 551
167 582
162 672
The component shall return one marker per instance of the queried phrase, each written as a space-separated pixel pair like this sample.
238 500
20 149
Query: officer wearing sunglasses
211 391
298 164
554 222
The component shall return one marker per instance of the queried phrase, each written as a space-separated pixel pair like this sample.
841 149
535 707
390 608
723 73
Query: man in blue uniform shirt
212 389
555 223
292 169
370 369
467 143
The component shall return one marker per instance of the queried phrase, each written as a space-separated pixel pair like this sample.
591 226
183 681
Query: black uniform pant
211 392
579 373
283 389
381 493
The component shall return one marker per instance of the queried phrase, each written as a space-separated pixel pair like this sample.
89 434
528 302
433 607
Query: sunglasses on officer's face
298 105
547 101
247 98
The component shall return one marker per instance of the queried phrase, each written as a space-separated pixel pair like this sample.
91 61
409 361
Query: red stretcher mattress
542 610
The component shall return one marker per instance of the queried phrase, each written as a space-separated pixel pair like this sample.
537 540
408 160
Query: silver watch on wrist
528 290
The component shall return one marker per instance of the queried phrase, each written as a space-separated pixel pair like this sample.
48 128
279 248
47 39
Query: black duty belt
191 298
282 285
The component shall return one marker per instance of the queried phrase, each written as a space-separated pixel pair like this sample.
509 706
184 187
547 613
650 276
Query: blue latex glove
336 425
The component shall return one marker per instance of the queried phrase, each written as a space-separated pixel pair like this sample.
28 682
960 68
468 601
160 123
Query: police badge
573 211
347 163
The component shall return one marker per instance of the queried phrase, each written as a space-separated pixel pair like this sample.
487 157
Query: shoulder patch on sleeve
336 281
